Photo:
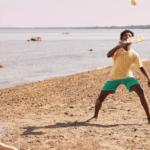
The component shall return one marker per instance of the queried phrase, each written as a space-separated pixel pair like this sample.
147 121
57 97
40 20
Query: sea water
58 54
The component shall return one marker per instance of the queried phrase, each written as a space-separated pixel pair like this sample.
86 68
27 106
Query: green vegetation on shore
95 27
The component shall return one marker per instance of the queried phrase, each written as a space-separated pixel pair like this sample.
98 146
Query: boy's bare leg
137 88
98 104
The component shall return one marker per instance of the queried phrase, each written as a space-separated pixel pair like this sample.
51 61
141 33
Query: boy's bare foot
92 119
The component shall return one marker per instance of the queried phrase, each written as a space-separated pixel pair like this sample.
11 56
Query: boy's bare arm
111 52
123 43
145 74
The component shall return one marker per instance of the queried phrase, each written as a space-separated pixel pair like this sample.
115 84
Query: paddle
135 39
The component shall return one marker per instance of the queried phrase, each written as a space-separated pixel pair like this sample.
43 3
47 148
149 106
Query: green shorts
112 85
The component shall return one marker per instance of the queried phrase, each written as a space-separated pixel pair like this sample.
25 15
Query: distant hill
96 27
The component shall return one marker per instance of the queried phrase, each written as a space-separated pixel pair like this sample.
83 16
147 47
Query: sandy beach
51 114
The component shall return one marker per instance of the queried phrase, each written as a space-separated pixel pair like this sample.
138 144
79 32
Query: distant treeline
96 27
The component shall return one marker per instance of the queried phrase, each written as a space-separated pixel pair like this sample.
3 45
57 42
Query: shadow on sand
30 129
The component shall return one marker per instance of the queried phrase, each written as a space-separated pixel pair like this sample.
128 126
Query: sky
73 13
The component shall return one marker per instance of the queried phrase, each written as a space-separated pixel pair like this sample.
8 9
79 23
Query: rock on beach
35 39
1 66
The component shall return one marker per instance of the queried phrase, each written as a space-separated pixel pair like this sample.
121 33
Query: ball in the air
133 2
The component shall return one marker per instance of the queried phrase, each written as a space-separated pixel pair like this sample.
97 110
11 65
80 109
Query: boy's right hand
122 43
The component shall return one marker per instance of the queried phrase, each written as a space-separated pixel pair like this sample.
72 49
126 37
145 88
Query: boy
123 58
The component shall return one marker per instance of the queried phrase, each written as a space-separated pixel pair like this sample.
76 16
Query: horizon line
78 26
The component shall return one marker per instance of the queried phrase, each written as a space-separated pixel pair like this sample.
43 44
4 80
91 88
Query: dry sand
51 114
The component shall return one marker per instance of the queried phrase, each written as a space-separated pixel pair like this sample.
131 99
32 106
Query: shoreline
98 68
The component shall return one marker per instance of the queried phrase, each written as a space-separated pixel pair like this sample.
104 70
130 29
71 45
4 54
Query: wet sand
51 114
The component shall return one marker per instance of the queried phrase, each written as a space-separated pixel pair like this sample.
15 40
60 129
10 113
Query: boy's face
126 36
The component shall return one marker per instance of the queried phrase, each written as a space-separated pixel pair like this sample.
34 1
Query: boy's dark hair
125 31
